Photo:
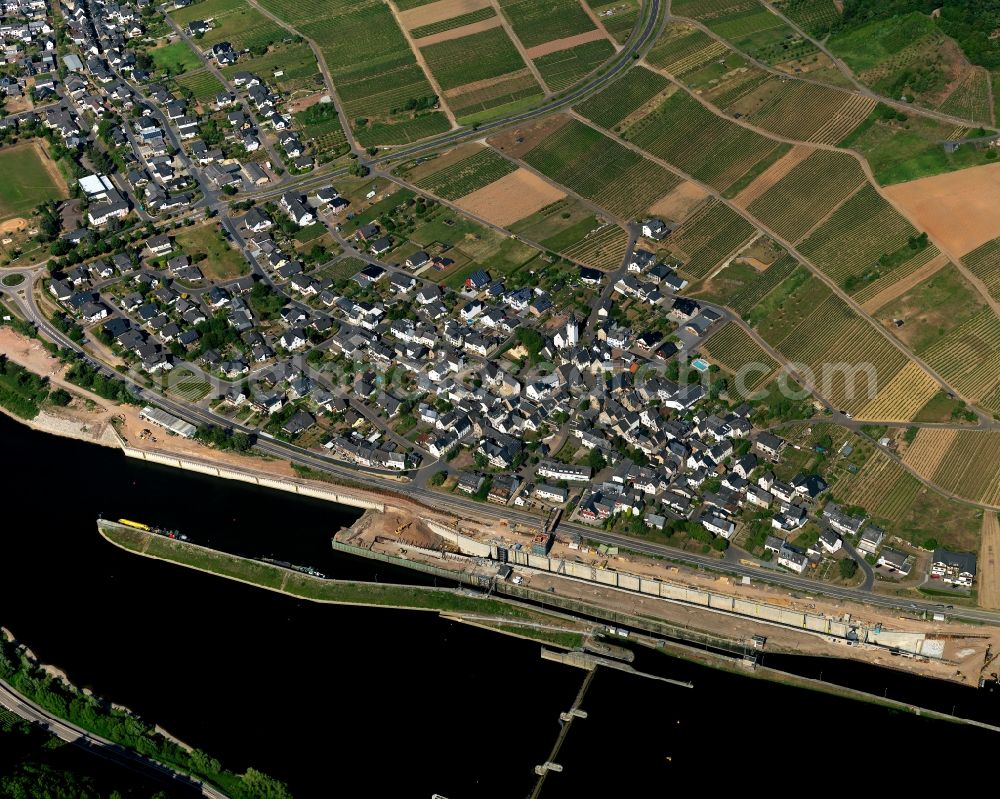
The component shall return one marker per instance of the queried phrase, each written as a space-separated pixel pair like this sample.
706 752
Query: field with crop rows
453 22
815 17
617 16
682 48
883 488
536 22
901 399
808 193
875 287
787 306
476 99
708 236
971 98
734 350
373 68
765 282
714 150
479 56
203 85
850 243
968 357
971 466
601 170
803 111
984 263
604 249
623 97
562 69
465 176
402 130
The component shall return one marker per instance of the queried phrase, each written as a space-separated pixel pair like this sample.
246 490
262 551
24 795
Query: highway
100 747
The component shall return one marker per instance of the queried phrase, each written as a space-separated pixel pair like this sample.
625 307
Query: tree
848 568
438 478
595 460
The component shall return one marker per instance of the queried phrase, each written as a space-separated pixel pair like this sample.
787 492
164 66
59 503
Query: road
100 747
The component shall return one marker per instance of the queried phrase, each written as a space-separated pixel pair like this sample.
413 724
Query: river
381 702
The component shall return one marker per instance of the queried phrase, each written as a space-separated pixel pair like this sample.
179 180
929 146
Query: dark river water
341 701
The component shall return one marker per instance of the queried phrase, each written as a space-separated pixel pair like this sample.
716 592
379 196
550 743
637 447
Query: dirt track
558 45
437 12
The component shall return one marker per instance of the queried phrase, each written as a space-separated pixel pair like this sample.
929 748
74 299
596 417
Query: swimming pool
700 364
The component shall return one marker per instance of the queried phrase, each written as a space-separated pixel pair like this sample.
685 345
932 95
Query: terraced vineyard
451 23
968 357
971 98
713 149
849 244
535 23
373 68
710 235
734 350
808 193
623 97
883 488
466 176
984 263
203 85
604 249
683 48
562 69
601 170
803 111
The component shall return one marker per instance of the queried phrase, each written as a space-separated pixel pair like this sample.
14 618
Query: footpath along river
341 700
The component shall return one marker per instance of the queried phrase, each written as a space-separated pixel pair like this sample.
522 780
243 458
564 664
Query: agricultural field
815 17
536 22
781 310
376 73
809 192
849 245
712 149
30 179
562 69
968 358
965 463
175 59
202 85
322 130
600 169
708 236
804 111
604 248
618 16
902 398
970 99
737 353
467 175
623 97
452 23
877 292
682 49
883 488
741 286
291 67
232 21
469 59
984 263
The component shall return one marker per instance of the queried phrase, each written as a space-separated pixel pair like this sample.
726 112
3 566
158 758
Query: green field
971 98
465 176
714 150
601 170
29 179
224 262
232 21
203 85
810 191
295 62
623 97
815 17
453 22
175 59
480 56
562 69
538 21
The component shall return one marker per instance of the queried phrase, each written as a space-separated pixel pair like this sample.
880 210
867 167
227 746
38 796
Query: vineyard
623 97
765 282
815 17
682 49
782 310
473 58
466 176
601 170
232 21
535 23
713 149
562 69
617 16
734 350
883 488
971 98
984 263
804 111
451 23
901 399
970 467
203 85
928 449
872 289
403 131
968 357
509 89
708 236
604 249
850 243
